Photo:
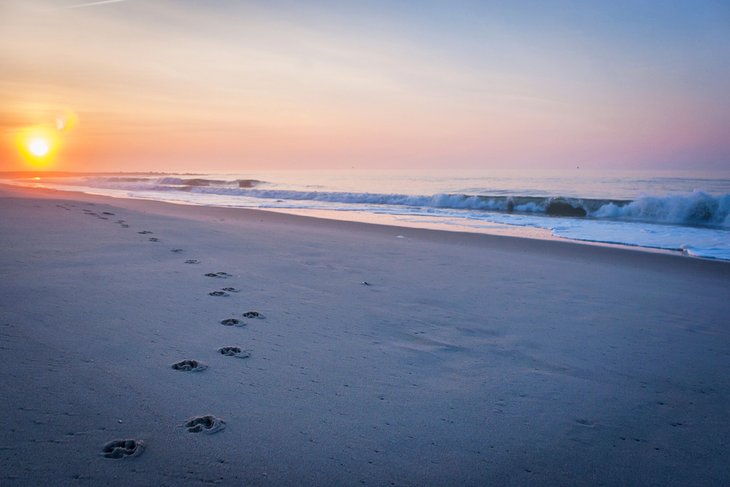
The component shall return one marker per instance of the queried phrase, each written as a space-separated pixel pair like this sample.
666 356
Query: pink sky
222 86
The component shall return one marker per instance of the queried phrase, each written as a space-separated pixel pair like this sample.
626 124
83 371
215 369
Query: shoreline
438 358
519 233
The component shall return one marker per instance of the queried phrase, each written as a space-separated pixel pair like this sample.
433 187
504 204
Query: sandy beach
382 356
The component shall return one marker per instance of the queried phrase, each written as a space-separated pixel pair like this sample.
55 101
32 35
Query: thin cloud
91 4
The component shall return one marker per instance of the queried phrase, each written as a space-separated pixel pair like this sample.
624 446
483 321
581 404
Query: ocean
679 211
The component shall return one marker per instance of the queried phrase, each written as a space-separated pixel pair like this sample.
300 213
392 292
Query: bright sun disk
38 147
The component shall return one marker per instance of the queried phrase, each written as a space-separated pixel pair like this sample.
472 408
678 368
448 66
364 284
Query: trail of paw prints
189 366
123 449
236 352
205 424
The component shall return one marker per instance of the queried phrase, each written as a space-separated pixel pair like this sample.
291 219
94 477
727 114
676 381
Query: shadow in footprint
253 314
189 366
144 232
218 293
176 251
192 261
232 322
234 352
231 289
205 424
154 239
218 274
123 449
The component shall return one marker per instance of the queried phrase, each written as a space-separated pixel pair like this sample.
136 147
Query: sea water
678 211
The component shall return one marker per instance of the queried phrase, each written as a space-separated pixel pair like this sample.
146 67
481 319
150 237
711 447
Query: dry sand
467 360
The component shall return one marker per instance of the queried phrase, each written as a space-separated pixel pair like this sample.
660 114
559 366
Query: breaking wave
241 183
695 208
168 183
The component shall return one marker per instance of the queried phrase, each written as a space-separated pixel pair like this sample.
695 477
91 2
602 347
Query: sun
38 147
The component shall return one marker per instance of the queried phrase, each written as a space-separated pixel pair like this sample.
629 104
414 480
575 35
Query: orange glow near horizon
158 86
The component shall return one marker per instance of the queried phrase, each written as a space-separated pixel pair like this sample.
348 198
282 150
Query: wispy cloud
91 4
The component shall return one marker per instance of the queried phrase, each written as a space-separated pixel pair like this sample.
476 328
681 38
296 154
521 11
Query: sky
223 85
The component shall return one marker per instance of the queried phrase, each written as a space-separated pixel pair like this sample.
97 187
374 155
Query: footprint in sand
218 293
231 289
234 352
123 449
253 314
107 213
232 322
217 274
176 251
154 239
145 232
205 424
192 261
189 366
124 225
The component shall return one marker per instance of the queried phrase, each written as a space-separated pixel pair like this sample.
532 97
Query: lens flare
66 121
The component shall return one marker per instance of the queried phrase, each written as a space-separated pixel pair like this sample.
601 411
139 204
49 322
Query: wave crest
696 208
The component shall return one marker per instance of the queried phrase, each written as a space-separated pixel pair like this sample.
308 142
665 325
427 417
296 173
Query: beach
382 355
